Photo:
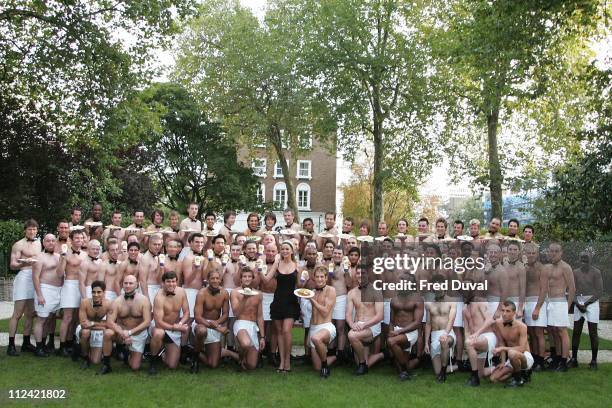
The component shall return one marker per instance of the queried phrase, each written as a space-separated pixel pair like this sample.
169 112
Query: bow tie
92 258
176 230
76 252
507 324
173 258
170 293
321 288
47 252
31 240
193 220
133 262
158 226
129 295
361 287
198 253
110 261
97 304
214 291
138 226
62 239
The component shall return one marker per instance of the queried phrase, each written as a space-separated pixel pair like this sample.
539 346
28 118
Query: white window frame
263 166
306 141
262 189
303 187
277 167
298 175
279 186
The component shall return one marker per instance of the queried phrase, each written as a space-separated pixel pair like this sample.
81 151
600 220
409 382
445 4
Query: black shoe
85 363
537 367
260 362
514 383
362 369
152 368
441 378
473 381
572 363
404 376
49 348
28 347
11 351
325 372
526 376
105 369
76 354
64 352
195 366
593 365
562 367
41 353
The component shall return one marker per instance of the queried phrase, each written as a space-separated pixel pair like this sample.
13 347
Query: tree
398 203
471 208
498 54
246 71
370 61
190 158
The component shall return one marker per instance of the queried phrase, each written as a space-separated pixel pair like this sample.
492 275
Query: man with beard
407 310
516 360
440 317
589 287
128 321
535 327
70 266
211 310
493 232
252 225
47 289
90 331
249 326
170 314
23 255
367 305
322 331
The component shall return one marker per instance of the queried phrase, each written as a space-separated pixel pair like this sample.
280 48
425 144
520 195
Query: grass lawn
302 387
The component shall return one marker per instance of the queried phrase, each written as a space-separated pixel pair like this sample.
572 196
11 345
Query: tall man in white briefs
535 327
47 289
23 254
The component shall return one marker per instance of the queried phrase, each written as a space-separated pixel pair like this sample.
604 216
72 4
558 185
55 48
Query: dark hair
192 203
75 209
328 241
330 213
210 214
63 220
30 223
168 275
424 219
443 221
216 237
350 219
530 227
228 214
251 215
133 244
515 243
193 236
307 219
460 222
270 215
510 304
98 284
76 232
365 223
435 248
157 211
514 220
354 250
246 269
136 211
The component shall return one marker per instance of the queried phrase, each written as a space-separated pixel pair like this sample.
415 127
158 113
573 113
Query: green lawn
302 387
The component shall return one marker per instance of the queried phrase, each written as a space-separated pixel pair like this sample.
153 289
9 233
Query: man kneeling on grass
322 330
516 359
170 328
128 322
90 331
249 324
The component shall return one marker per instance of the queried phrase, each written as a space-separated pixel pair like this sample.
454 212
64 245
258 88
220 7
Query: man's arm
185 309
522 285
378 316
82 278
111 321
328 302
543 291
143 276
451 317
348 315
15 255
568 274
198 311
36 271
224 309
597 287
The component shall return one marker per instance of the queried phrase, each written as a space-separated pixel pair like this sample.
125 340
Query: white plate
465 238
254 238
77 228
252 293
271 232
113 227
287 232
345 236
305 234
365 238
310 293
94 224
326 235
27 260
188 230
211 234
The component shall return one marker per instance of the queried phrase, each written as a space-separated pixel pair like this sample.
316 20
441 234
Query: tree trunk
377 184
495 174
288 178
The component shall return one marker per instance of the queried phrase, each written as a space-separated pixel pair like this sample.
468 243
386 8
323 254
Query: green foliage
469 209
10 232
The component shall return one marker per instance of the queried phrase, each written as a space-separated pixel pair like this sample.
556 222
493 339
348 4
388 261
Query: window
261 193
284 139
278 171
259 167
303 196
303 169
280 195
305 142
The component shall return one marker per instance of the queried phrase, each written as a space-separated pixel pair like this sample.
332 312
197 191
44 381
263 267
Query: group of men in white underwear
189 291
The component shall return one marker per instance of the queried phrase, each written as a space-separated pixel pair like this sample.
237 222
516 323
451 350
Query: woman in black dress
285 307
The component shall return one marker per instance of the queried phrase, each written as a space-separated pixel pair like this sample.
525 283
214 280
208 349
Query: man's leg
578 325
540 348
18 311
445 347
107 349
213 354
172 355
248 353
65 331
84 337
356 339
397 345
517 361
39 335
157 339
594 344
564 341
200 335
320 361
459 345
473 348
